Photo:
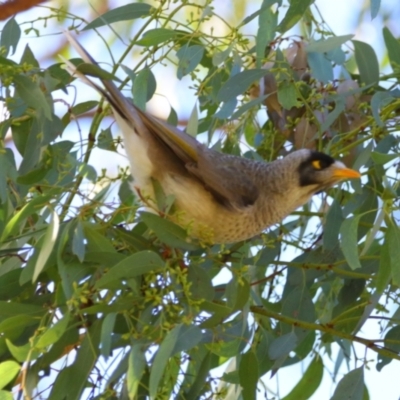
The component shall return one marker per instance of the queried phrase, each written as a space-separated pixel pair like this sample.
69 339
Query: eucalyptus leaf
375 5
32 95
238 83
282 345
169 233
178 339
327 45
320 66
49 241
248 374
10 35
8 371
136 366
348 241
367 62
144 87
351 386
131 266
309 381
267 22
154 37
189 57
294 13
123 13
393 48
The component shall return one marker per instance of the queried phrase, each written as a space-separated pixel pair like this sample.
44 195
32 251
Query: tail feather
182 144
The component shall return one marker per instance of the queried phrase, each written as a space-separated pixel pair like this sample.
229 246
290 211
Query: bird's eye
316 164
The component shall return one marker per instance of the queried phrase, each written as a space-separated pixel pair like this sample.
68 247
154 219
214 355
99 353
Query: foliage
122 303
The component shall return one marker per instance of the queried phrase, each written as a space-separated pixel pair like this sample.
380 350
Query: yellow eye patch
316 164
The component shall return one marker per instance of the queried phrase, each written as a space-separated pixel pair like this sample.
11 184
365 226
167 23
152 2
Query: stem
326 329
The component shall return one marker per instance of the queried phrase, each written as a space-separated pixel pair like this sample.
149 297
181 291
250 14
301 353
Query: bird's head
317 171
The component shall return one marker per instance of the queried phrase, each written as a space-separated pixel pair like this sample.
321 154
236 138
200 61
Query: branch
13 7
326 329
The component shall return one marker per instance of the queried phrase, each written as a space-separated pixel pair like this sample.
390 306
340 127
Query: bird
218 198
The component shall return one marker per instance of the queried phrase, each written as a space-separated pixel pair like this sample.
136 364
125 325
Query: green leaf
227 109
393 239
349 242
351 386
239 83
267 22
9 309
309 382
287 94
34 206
124 13
298 304
219 312
135 265
201 287
96 241
237 293
173 117
326 45
181 338
393 48
136 367
248 375
16 322
53 334
321 67
10 35
81 108
189 57
340 106
95 71
220 56
392 343
379 100
192 127
282 346
367 62
144 87
73 379
200 375
334 220
21 353
29 58
78 241
32 95
8 371
375 5
382 158
248 106
154 37
7 167
266 4
293 14
105 140
385 267
169 233
107 328
6 395
49 241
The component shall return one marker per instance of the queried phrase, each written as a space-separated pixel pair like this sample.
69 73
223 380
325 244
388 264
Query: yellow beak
341 172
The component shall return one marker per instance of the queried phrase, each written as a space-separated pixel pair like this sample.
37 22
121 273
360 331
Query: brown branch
371 344
12 7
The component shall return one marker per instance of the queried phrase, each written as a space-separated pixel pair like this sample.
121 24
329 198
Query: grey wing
232 180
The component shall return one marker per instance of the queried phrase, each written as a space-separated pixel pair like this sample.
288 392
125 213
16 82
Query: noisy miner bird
219 198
